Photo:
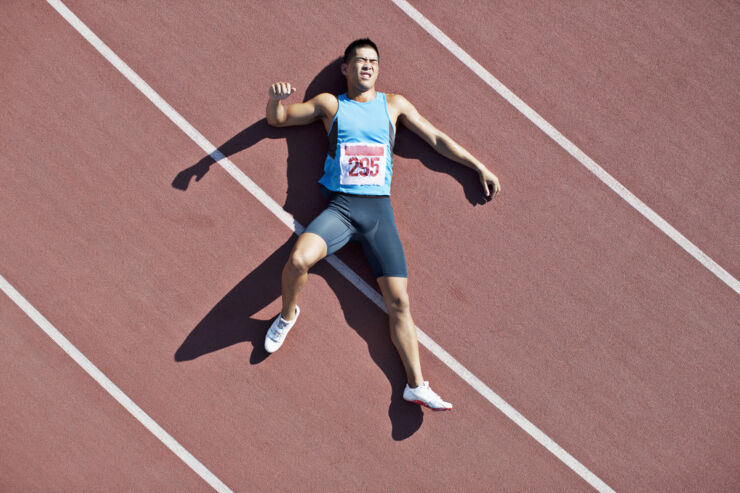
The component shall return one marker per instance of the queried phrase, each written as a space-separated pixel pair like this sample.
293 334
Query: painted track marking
111 387
569 146
340 266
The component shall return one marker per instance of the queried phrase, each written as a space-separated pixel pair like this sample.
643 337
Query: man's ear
344 69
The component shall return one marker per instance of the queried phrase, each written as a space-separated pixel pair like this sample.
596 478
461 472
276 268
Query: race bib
362 164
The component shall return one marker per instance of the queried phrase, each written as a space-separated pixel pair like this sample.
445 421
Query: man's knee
306 253
299 261
398 303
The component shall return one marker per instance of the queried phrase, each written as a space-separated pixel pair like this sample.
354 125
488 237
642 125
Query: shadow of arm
243 140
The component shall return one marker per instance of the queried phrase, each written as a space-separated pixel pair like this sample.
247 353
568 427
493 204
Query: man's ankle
415 384
292 316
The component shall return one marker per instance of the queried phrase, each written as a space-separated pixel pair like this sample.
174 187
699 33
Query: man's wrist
477 166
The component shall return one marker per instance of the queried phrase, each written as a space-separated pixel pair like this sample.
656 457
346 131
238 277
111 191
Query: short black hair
359 43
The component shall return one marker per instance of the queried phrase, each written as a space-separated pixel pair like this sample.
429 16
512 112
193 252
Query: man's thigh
310 248
331 228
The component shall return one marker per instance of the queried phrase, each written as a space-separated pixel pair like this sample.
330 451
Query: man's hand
280 90
321 107
488 180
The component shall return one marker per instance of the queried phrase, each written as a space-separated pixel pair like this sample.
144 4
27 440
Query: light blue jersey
360 158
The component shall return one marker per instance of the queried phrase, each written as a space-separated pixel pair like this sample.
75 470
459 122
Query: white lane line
569 146
111 387
341 267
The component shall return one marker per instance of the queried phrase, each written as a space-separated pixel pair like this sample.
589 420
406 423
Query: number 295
364 166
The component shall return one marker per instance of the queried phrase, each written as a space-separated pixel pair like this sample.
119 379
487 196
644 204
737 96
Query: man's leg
403 335
403 330
308 250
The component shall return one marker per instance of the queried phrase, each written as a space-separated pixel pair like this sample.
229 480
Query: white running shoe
426 397
278 331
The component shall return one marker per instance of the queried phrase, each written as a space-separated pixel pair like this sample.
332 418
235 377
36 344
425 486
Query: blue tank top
360 158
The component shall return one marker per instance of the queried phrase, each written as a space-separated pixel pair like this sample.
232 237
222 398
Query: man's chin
364 85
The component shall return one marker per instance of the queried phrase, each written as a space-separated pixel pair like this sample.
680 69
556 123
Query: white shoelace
435 399
277 332
432 398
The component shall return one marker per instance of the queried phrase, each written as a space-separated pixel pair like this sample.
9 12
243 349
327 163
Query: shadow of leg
230 322
371 324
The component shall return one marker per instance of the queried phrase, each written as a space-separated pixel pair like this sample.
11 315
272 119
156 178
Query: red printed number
364 166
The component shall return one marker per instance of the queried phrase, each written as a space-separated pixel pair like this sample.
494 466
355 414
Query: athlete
361 125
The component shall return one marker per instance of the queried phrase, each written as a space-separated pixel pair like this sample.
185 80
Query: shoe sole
429 407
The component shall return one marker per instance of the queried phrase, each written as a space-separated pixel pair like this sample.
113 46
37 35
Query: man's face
362 69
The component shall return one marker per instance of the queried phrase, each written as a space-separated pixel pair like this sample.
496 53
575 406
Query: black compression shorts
366 219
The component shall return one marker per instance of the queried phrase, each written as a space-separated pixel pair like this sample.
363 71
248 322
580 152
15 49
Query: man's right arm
279 115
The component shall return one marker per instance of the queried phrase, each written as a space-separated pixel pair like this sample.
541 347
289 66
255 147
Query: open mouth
365 75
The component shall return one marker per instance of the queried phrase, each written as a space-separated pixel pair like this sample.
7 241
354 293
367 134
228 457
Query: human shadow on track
410 146
230 321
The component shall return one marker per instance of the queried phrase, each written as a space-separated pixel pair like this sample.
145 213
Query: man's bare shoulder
326 102
397 101
400 109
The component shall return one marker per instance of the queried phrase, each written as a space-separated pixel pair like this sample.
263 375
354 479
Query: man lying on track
357 176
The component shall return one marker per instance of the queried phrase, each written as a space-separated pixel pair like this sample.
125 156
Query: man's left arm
440 142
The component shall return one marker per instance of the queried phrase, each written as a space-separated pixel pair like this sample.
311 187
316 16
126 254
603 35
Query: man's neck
361 96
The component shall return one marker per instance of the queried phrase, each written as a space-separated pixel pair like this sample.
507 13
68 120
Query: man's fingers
486 188
281 90
490 184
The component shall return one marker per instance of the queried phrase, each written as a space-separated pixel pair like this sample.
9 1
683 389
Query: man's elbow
436 141
443 144
273 122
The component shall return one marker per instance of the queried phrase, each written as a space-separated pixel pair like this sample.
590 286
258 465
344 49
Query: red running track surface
558 295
